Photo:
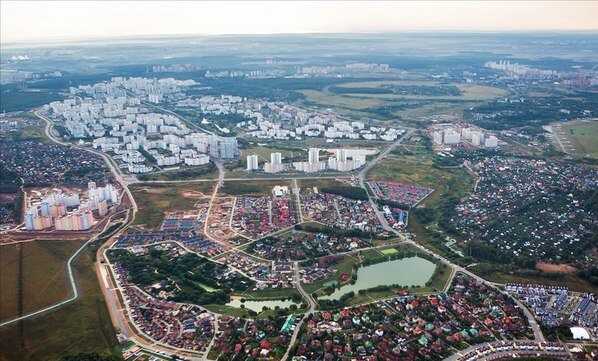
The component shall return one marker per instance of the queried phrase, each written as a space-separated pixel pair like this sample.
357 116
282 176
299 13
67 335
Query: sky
27 21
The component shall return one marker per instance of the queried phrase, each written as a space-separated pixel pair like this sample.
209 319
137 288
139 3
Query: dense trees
347 192
189 277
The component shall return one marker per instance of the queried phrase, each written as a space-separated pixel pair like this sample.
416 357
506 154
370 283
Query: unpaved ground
555 268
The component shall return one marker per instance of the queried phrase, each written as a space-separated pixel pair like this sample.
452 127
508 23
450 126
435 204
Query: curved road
73 284
69 264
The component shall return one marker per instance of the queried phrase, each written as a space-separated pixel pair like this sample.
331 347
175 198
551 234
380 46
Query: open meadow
154 200
38 269
252 186
81 326
409 100
579 137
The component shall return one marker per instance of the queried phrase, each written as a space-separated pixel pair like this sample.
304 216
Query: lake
405 271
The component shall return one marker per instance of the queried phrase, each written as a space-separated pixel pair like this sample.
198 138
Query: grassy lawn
417 170
270 294
43 275
389 251
373 255
243 312
81 326
320 183
252 186
469 91
434 109
228 310
583 137
208 171
410 108
154 200
497 274
342 101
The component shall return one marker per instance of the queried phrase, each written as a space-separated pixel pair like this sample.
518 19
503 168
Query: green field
389 251
320 183
343 101
34 131
469 91
580 138
421 171
374 99
42 270
81 326
251 186
207 171
153 200
270 294
228 310
497 273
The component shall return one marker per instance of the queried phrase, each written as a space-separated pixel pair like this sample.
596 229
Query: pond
257 306
405 271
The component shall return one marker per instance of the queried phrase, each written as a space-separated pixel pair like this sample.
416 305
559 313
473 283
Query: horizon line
75 40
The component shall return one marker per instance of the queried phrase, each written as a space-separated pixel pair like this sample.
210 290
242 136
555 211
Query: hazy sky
41 20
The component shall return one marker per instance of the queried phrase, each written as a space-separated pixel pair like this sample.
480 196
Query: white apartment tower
313 155
252 162
275 164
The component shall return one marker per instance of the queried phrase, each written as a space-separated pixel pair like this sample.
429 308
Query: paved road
285 177
312 307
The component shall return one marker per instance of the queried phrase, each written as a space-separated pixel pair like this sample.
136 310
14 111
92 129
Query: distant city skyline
31 21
